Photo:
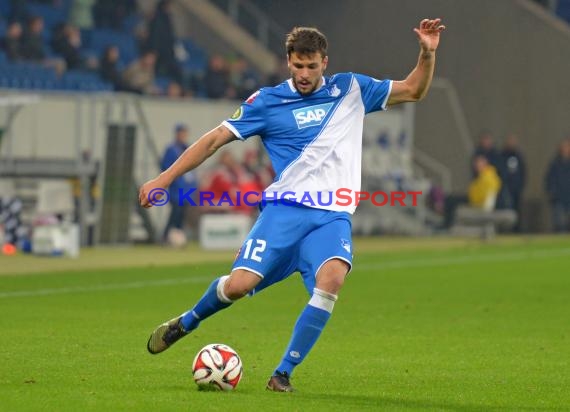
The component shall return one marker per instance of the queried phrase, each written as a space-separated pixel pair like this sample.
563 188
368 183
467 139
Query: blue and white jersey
315 141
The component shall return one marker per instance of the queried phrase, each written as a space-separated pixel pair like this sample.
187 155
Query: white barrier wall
61 125
64 125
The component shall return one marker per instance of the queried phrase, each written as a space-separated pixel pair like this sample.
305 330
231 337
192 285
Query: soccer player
311 126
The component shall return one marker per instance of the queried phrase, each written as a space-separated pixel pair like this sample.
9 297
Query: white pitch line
443 261
99 288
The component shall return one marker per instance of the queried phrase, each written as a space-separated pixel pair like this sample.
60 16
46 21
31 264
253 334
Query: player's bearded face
307 71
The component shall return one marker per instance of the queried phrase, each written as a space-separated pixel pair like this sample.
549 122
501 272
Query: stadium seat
162 83
100 39
563 9
197 61
80 80
5 9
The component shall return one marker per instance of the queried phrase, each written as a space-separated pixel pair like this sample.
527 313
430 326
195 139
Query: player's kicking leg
311 322
221 294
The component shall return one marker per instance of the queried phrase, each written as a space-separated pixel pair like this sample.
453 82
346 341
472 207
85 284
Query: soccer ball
217 366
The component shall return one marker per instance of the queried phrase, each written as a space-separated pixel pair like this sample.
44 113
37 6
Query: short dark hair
306 40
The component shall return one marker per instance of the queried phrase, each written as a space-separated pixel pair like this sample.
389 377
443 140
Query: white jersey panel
332 160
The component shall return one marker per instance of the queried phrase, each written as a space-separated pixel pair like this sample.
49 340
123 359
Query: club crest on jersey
345 244
334 91
312 115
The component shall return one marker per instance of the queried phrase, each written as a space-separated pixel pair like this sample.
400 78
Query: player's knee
331 276
235 292
238 285
331 283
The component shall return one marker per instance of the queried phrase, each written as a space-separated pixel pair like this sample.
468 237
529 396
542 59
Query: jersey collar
292 87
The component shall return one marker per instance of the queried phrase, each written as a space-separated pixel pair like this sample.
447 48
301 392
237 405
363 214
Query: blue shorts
286 239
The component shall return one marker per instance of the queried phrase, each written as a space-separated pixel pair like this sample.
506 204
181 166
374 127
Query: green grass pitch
464 328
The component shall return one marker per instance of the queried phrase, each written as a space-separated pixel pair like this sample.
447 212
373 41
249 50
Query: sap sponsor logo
312 115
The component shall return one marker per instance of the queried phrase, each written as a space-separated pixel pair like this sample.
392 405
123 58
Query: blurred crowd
147 56
499 177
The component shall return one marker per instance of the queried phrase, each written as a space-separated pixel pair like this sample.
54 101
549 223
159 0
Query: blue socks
211 302
307 329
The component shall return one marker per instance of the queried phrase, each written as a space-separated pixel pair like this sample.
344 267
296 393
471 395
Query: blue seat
5 9
52 15
198 58
100 39
563 9
3 27
131 22
162 83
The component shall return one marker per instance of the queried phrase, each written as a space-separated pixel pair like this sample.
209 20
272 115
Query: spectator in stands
81 14
66 41
229 178
109 70
162 39
33 47
483 190
514 175
558 187
32 40
174 90
139 75
261 173
140 33
182 184
486 147
12 43
480 215
216 80
243 79
481 194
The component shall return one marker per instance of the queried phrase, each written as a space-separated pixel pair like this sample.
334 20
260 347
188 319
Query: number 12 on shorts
259 247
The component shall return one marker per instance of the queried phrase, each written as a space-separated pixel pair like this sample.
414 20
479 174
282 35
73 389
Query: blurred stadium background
76 141
462 314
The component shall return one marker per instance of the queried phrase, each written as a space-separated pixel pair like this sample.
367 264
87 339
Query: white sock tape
323 300
220 289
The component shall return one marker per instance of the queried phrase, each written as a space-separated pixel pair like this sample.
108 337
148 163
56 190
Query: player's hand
152 192
428 33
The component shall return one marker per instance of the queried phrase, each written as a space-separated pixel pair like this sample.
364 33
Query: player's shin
211 302
307 329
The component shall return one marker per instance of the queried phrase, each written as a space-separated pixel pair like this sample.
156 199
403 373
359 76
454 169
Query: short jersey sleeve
375 93
249 119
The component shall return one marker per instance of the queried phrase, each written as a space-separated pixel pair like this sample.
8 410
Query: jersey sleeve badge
237 114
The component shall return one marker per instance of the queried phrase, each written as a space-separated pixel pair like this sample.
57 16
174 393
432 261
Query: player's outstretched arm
416 85
192 157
